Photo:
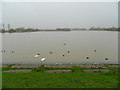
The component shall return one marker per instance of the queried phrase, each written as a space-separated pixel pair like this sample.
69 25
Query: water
66 47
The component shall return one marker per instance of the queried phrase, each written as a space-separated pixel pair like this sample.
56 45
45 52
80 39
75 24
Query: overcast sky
50 15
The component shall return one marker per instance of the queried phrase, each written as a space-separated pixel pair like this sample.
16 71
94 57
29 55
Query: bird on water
36 55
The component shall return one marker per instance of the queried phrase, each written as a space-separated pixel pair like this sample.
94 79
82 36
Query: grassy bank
76 79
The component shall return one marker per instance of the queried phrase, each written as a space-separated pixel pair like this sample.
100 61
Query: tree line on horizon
22 29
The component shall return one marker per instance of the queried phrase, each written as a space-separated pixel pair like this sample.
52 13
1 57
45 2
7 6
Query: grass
0 69
0 79
74 79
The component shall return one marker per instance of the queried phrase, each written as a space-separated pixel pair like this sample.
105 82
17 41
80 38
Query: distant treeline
105 29
58 29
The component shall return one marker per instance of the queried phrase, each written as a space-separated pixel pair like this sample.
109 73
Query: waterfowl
87 57
106 58
36 55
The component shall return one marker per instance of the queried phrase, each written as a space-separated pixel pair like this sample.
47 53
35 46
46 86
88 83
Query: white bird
43 59
36 55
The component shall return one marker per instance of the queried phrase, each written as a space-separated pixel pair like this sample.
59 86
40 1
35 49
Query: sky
51 15
119 14
60 0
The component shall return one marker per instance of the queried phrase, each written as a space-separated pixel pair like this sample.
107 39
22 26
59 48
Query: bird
12 51
43 59
63 55
64 43
94 50
87 57
68 51
50 52
36 55
106 58
3 51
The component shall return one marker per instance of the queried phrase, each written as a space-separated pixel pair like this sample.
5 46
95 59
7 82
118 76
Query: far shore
52 30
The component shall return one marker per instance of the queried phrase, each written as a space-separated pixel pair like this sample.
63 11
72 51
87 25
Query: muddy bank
97 70
63 66
57 71
23 70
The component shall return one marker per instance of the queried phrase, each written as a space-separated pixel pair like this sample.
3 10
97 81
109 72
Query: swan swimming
43 59
36 55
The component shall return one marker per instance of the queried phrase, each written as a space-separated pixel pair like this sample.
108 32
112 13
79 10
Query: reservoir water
63 47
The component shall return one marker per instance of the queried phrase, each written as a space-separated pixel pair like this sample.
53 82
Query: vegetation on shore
58 29
75 79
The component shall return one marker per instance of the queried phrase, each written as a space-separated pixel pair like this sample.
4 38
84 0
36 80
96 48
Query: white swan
36 55
43 59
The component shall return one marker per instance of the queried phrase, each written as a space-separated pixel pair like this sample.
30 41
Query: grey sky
119 14
53 15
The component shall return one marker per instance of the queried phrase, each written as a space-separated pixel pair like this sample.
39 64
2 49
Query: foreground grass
0 80
60 80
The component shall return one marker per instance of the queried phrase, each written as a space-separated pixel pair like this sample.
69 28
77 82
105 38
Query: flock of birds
43 59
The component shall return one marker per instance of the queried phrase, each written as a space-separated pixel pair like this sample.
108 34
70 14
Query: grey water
63 47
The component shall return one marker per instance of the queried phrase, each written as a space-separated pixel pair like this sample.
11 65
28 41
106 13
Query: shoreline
51 31
61 66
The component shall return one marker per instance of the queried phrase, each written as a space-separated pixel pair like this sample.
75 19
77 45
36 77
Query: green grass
74 79
0 79
61 80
